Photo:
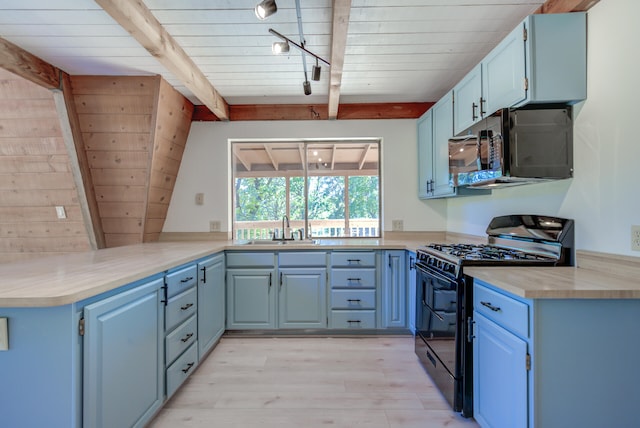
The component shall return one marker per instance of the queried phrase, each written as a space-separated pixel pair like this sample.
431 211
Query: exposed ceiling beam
238 155
339 29
315 111
365 151
28 66
563 6
274 162
138 20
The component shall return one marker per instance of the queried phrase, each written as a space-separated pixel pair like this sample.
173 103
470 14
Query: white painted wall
206 168
604 195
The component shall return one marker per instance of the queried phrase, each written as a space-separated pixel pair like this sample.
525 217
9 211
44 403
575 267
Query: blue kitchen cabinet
468 94
251 290
410 270
394 290
302 289
435 128
123 373
500 375
302 298
211 302
554 363
251 298
541 61
425 154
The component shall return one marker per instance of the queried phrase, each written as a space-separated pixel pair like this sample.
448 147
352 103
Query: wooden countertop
61 280
558 282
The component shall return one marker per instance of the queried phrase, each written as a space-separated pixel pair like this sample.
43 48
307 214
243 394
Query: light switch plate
4 335
199 198
60 212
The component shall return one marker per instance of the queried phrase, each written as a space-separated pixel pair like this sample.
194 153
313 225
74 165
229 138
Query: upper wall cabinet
435 128
543 60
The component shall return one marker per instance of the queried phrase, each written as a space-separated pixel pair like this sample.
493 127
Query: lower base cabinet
124 358
554 363
211 302
302 298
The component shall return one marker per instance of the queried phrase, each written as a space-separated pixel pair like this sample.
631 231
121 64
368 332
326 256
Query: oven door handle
427 271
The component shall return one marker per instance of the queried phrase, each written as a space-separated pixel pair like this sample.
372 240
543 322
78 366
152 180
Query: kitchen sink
279 242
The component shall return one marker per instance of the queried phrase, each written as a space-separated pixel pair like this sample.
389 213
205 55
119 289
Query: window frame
305 174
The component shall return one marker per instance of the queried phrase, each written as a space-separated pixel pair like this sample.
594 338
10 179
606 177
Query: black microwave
514 147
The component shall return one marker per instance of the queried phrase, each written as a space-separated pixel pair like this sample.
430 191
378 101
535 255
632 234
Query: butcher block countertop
62 280
598 276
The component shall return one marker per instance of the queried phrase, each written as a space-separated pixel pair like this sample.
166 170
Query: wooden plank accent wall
134 130
172 125
35 176
115 115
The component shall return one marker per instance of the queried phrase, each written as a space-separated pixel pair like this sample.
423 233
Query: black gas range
444 300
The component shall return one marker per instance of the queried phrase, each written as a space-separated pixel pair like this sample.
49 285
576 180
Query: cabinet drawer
504 310
180 339
307 258
353 258
353 319
353 299
251 259
353 278
181 369
180 307
180 280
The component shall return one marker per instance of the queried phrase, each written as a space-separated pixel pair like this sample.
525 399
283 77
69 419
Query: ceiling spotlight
315 74
266 8
280 48
307 87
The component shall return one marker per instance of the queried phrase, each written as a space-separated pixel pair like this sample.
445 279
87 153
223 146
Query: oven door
438 331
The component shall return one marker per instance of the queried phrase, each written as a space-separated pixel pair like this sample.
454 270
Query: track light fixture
283 47
315 74
265 9
279 48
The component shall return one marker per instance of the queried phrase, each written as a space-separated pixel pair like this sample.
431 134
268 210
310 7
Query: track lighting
306 85
280 48
315 74
266 8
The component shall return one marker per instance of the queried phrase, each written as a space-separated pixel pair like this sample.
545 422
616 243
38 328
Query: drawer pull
354 321
187 279
354 279
187 306
186 338
354 300
490 306
353 260
186 370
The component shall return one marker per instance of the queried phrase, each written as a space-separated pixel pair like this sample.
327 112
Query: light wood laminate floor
310 382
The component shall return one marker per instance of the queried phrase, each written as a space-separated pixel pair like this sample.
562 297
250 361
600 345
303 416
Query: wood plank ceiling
388 59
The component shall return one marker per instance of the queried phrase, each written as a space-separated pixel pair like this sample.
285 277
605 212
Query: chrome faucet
288 226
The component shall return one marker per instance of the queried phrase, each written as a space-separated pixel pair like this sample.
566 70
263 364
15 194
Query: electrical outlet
635 238
199 198
60 212
214 226
397 225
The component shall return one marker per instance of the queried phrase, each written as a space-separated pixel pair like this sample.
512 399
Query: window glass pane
326 206
364 204
259 206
